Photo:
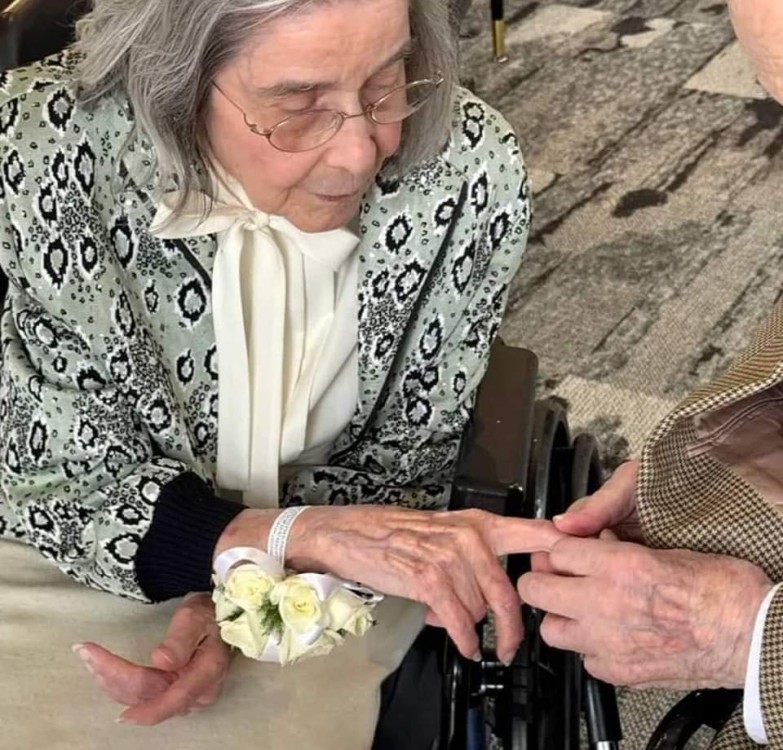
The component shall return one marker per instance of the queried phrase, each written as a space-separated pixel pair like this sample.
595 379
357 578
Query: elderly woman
257 251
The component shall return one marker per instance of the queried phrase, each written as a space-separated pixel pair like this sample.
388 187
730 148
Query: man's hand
759 26
187 672
649 618
609 513
611 508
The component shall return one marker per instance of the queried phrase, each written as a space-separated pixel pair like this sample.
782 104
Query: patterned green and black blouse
108 382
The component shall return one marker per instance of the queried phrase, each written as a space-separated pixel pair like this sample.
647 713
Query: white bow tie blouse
285 314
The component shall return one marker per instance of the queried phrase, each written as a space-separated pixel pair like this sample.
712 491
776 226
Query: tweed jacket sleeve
688 498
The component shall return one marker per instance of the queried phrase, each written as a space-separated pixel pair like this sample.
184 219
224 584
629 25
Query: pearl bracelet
280 531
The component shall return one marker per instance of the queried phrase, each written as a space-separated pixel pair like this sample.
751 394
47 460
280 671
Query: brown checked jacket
711 479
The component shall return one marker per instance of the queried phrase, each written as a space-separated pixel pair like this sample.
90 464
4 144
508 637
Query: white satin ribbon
324 585
274 304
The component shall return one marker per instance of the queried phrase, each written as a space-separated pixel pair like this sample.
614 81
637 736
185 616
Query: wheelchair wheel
536 703
541 709
511 698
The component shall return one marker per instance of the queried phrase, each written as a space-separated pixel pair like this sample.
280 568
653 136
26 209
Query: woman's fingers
449 609
502 599
192 622
508 536
122 680
193 660
199 682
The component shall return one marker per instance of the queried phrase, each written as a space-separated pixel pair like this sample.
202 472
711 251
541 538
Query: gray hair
164 55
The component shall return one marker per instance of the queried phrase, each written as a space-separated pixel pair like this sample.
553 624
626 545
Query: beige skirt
48 701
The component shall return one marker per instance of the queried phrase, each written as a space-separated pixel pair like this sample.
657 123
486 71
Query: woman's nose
354 147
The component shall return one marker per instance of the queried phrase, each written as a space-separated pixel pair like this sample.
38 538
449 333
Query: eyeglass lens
309 130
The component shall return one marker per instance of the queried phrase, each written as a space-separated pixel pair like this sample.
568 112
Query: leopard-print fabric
108 388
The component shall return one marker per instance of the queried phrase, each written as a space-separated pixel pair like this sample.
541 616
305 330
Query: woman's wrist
303 551
306 549
248 529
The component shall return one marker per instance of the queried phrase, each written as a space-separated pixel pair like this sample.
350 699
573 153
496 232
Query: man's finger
559 595
585 557
609 506
565 634
187 629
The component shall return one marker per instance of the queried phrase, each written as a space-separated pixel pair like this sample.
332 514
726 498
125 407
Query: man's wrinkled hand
649 618
187 673
611 512
611 508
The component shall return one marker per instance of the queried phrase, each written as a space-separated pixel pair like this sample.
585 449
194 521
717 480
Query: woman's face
340 56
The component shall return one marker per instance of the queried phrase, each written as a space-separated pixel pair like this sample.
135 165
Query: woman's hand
446 560
187 673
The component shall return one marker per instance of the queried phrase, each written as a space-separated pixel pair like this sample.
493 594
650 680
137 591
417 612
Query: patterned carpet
658 236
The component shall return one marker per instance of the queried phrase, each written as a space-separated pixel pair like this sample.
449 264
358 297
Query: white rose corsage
275 616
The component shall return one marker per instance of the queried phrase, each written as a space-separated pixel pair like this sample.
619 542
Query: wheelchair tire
543 713
536 703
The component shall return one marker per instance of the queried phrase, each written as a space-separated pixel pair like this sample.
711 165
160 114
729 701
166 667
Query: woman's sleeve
79 477
408 455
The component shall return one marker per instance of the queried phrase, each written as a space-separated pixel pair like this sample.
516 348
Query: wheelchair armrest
495 450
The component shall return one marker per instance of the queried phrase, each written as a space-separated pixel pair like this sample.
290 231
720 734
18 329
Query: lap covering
48 700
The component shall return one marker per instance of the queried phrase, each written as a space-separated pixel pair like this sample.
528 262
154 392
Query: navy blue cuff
175 555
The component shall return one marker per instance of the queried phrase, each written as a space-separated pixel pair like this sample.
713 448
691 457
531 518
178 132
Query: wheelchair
518 458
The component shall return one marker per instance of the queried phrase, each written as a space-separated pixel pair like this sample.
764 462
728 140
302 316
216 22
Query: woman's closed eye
382 84
297 104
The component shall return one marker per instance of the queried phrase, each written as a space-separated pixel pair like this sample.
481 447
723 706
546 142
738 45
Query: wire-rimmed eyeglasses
308 130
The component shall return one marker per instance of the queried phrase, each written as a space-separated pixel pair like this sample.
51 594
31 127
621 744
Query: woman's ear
759 27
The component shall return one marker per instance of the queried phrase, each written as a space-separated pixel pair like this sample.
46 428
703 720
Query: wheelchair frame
518 459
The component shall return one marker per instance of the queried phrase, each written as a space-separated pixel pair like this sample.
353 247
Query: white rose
361 621
348 612
244 634
224 608
248 586
292 649
300 608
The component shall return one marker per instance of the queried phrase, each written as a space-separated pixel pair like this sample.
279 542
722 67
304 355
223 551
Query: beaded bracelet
280 531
